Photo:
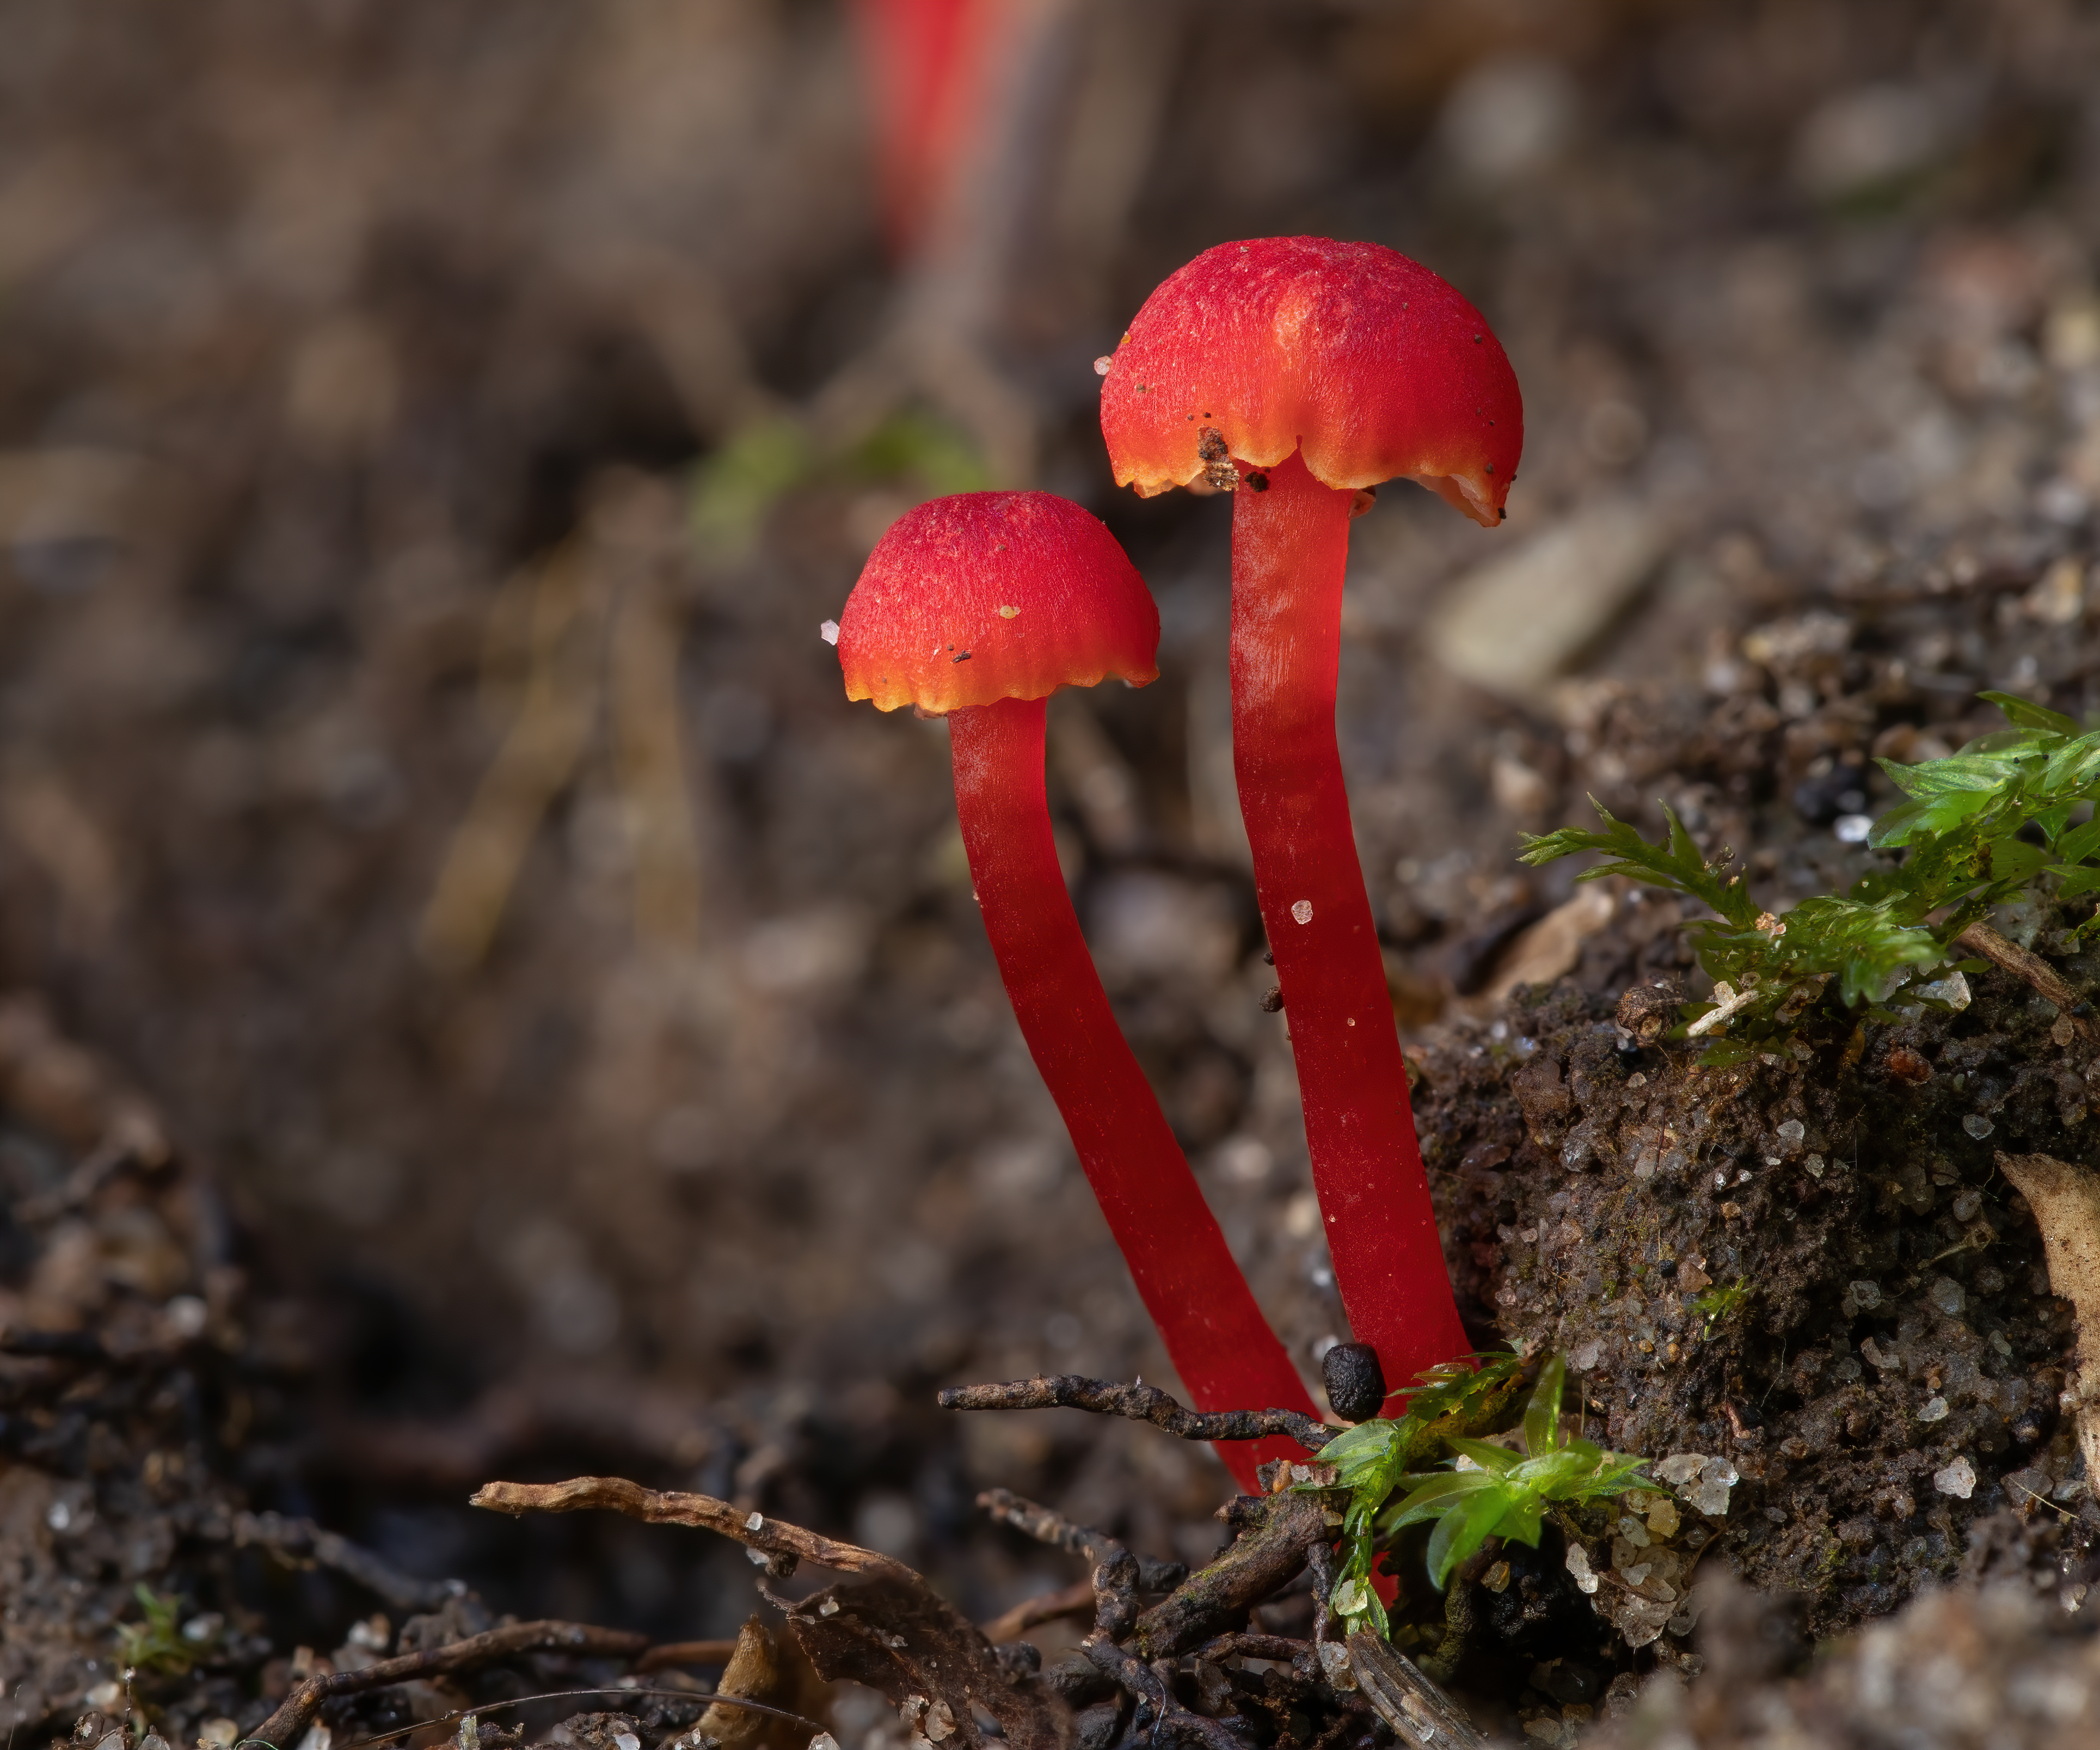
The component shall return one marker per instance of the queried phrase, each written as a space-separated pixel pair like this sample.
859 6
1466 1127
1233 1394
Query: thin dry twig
787 1543
2022 963
1170 1720
1280 1649
1417 1710
673 1653
1268 1555
619 1689
1140 1403
295 1540
1114 1575
1320 1568
1075 1600
296 1712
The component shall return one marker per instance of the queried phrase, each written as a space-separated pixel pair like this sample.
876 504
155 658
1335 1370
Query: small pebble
1978 1126
1958 1479
1791 1133
1966 1204
1578 1566
1947 1296
1934 1410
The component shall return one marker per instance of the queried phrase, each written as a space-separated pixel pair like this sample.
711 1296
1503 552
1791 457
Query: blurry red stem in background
926 64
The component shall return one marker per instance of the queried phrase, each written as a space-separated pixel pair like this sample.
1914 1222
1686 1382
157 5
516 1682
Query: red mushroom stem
1291 542
1215 1333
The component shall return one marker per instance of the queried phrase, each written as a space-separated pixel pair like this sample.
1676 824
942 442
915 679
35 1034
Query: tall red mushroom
976 607
1301 371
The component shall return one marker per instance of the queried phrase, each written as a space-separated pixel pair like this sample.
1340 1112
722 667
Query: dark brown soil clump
1803 1269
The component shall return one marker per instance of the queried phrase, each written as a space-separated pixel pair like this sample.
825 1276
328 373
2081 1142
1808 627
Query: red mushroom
976 607
925 77
1303 372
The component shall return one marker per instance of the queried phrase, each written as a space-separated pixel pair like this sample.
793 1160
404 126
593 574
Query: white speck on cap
1101 365
1302 911
756 1523
829 631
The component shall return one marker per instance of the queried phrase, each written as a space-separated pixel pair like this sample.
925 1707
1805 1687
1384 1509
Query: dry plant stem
296 1539
1418 1712
773 1537
1320 1566
289 1724
2021 962
1214 1332
677 1653
1075 1391
1076 1599
1170 1721
1280 1649
2065 1200
1265 1557
1114 1575
1289 545
1047 1526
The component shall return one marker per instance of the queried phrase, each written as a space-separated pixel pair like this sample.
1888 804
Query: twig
774 1537
1075 1600
2022 963
1047 1526
1279 1649
1169 1719
288 1725
673 1653
1268 1555
565 1694
1074 1391
1114 1575
1320 1566
295 1540
1406 1700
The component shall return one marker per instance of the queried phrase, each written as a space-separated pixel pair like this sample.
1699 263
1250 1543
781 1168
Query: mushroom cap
1372 364
988 595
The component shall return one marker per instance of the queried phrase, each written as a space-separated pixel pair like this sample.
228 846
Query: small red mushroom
1303 372
926 63
976 607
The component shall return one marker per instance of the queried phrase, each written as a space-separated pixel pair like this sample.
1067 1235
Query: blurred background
431 435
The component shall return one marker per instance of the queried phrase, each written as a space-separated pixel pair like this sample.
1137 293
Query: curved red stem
1290 542
1222 1347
